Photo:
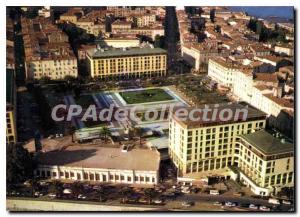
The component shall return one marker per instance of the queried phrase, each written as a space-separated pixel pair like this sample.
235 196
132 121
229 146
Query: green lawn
145 96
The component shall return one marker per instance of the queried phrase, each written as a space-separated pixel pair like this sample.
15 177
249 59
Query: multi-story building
262 91
144 20
241 150
264 162
200 148
127 62
100 164
11 130
199 55
222 71
72 15
285 49
120 26
47 51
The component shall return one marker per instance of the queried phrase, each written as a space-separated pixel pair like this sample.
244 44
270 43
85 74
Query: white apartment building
222 71
52 68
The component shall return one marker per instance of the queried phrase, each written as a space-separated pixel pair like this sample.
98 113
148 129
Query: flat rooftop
237 115
102 158
267 143
115 52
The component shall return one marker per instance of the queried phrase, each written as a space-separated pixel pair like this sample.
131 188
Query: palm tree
100 191
150 194
105 132
76 188
126 192
72 130
138 131
56 188
33 184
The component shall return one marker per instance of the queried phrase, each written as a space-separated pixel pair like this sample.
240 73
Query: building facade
265 163
132 62
203 147
109 165
11 130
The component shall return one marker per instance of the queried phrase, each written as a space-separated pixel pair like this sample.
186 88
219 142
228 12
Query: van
214 192
273 201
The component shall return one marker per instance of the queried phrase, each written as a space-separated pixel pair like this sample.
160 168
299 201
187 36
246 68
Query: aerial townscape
101 107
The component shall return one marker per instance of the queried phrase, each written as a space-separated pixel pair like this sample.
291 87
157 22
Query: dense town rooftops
108 53
267 143
280 101
252 114
267 77
102 158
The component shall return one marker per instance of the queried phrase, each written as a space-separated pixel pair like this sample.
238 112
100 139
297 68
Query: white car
157 201
52 195
187 204
253 206
67 191
80 196
230 204
287 202
217 203
264 208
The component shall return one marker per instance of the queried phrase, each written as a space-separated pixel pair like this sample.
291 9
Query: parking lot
177 196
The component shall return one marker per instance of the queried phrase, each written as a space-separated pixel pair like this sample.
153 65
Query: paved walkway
36 205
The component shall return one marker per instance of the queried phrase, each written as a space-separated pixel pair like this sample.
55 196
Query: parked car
238 194
264 208
67 191
187 203
214 192
230 204
52 195
81 196
274 201
158 201
253 206
287 202
217 203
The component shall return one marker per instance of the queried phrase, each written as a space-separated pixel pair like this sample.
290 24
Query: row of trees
19 165
265 34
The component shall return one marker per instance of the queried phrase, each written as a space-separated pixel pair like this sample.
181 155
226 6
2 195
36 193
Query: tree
19 164
45 80
105 132
138 131
33 184
56 188
101 193
212 15
218 28
77 91
126 192
72 130
150 194
76 188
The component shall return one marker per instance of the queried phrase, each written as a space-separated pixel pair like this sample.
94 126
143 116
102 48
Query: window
128 178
